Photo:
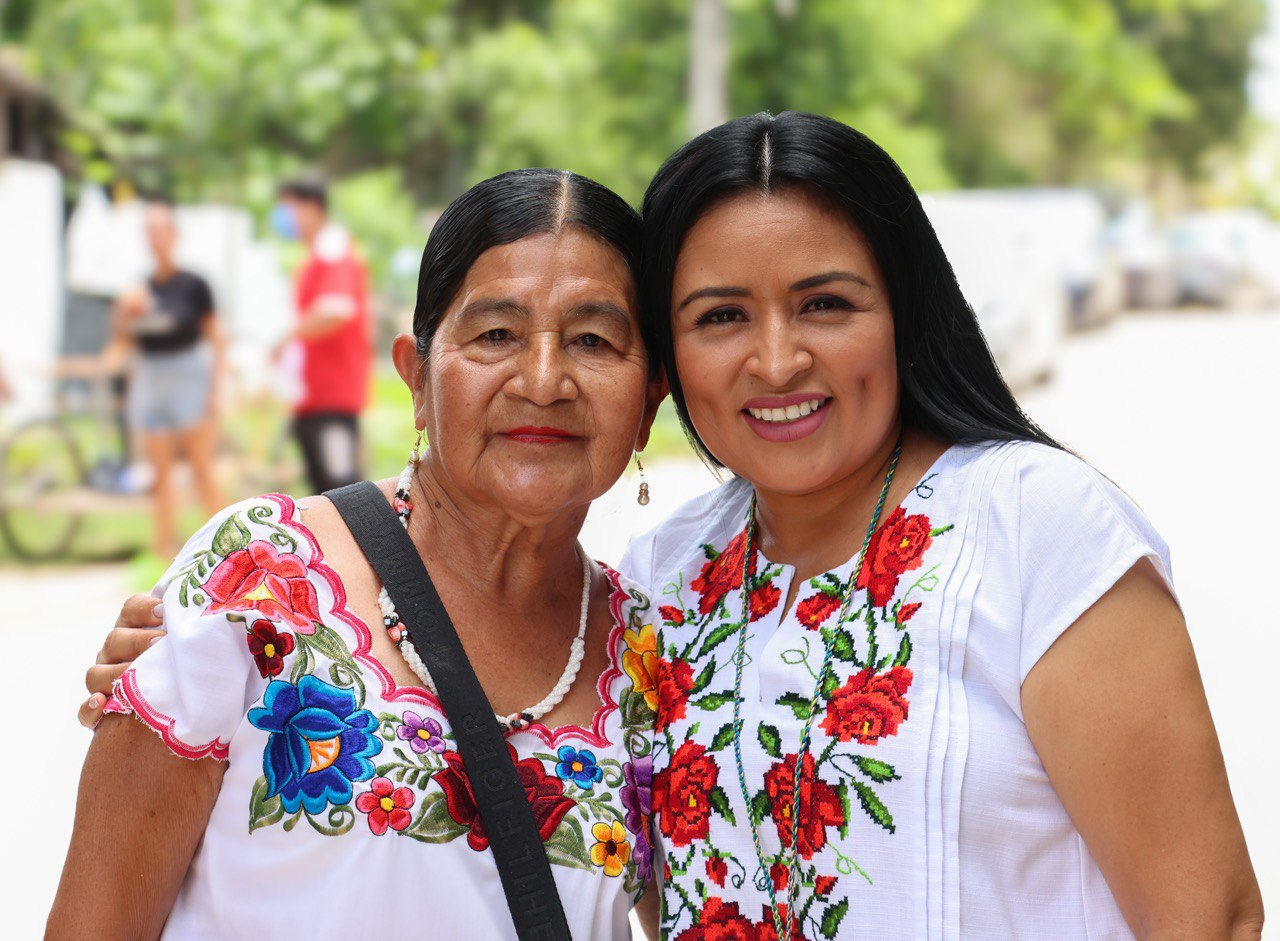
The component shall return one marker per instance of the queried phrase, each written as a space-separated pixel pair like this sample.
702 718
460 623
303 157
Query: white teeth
790 413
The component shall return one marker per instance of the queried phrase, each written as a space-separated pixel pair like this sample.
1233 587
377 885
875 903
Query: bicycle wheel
42 483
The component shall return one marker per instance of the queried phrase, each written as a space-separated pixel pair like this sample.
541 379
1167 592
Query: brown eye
720 315
496 336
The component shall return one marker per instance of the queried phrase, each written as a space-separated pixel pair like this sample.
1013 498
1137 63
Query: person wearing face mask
332 334
281 763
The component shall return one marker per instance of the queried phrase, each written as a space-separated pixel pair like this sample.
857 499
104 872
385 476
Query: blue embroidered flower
578 766
320 743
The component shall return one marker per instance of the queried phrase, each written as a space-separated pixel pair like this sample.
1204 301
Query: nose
545 375
780 354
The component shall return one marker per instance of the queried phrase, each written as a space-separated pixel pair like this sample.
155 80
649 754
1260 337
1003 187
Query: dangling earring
416 456
643 497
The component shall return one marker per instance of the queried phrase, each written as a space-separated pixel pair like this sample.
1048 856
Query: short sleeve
1077 533
204 298
338 279
195 686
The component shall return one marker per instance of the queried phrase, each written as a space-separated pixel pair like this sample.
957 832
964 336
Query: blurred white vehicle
1014 286
1226 258
1144 256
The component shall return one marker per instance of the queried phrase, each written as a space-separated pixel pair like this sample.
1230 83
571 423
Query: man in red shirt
331 295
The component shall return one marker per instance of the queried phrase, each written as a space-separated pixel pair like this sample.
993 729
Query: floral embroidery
721 575
717 870
675 683
386 805
898 547
906 612
640 661
684 790
421 733
637 800
763 599
320 742
820 804
269 647
260 578
814 610
671 615
578 766
868 707
545 794
611 850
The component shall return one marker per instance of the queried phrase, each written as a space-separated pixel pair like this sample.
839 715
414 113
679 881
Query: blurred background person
331 295
169 325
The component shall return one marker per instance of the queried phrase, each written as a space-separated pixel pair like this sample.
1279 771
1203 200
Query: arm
213 333
647 913
135 833
129 306
1117 712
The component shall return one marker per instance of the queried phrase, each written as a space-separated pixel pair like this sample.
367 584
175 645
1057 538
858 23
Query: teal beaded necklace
784 930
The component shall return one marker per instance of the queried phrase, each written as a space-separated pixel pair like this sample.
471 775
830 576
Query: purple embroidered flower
637 799
422 734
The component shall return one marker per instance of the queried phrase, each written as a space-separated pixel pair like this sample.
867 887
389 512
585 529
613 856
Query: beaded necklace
784 931
400 636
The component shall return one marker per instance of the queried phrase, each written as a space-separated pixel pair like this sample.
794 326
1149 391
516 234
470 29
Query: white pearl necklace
400 637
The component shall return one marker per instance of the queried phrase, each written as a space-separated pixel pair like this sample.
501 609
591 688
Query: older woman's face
784 341
536 387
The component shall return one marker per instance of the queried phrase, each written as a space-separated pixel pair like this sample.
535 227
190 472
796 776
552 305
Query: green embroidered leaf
693 729
828 583
720 804
797 703
714 700
710 551
842 791
231 535
432 824
704 678
942 529
264 811
722 737
760 806
566 847
770 740
877 770
198 599
326 640
832 917
873 806
635 709
842 646
338 821
301 663
830 684
904 652
715 638
182 591
293 821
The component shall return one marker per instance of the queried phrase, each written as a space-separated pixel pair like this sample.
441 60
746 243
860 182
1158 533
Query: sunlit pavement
1178 409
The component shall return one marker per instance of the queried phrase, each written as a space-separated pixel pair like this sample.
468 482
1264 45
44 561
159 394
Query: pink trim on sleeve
127 699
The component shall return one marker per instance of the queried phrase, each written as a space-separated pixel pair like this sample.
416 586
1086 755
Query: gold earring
416 456
643 497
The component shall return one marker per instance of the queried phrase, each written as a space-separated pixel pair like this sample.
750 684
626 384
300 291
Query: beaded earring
643 497
416 456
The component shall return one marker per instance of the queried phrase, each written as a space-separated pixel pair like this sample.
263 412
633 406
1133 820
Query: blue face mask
284 221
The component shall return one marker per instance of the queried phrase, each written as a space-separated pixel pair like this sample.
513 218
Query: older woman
290 776
922 672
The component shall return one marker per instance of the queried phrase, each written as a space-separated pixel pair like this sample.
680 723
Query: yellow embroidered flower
640 660
611 849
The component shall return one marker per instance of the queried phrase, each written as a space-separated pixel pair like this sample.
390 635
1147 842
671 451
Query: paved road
1178 409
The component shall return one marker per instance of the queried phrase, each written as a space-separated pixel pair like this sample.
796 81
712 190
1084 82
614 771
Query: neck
165 269
502 556
822 529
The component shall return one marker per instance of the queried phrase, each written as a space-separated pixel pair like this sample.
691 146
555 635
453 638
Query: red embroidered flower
868 707
907 612
259 578
820 805
671 614
766 930
823 885
762 600
675 683
722 574
269 647
897 547
717 870
681 794
386 805
720 921
780 875
817 608
545 794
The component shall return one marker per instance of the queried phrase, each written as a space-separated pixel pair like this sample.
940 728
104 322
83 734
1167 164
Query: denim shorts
170 391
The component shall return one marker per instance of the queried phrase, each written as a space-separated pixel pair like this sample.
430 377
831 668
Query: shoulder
712 518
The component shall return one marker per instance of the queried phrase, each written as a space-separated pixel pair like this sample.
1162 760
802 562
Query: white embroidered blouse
345 811
924 811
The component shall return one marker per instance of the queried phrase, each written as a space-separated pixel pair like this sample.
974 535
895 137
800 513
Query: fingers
126 644
98 680
90 712
141 611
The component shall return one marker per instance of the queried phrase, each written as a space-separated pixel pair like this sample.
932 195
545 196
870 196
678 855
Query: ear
654 393
412 370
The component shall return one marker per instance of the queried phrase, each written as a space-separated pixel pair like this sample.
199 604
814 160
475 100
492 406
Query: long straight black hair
504 209
951 387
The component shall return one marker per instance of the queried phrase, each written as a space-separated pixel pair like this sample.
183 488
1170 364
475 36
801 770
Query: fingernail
154 640
97 700
158 612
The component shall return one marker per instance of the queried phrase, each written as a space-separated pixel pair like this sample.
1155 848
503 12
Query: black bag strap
500 797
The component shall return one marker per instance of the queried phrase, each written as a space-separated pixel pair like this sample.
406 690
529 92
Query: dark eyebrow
818 280
491 305
603 308
713 292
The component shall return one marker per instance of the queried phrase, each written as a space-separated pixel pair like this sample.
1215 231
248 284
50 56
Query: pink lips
786 431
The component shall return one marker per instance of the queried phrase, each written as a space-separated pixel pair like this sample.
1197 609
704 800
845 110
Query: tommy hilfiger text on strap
500 797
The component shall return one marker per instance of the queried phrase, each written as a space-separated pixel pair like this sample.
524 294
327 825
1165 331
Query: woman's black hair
951 387
505 209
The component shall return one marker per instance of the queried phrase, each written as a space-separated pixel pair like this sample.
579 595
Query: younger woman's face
784 341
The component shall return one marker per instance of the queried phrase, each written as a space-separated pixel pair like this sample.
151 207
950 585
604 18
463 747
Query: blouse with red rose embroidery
924 812
345 810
